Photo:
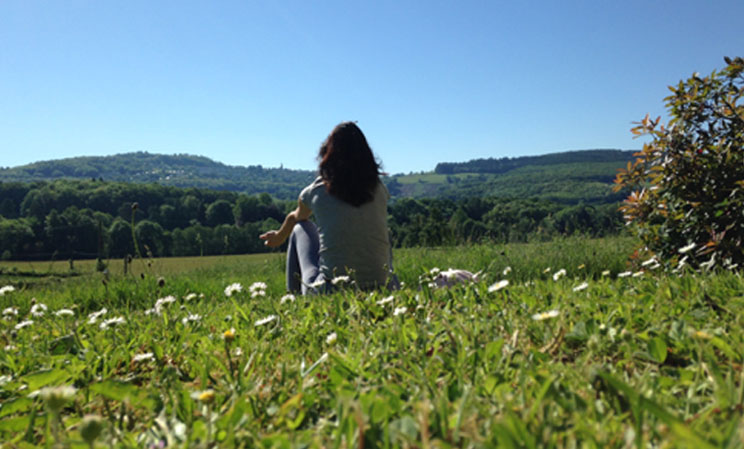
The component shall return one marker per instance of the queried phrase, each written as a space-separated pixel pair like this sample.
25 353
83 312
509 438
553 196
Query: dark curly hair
347 166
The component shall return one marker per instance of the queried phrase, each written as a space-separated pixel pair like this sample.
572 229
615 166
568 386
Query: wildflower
287 298
686 249
64 312
559 274
190 296
648 262
229 335
624 274
266 320
258 293
400 311
638 274
317 284
606 273
545 315
10 311
257 286
581 267
498 286
191 318
580 287
206 396
385 300
6 289
55 397
546 271
9 348
23 324
434 271
506 271
232 288
93 317
147 356
340 280
37 310
112 322
331 338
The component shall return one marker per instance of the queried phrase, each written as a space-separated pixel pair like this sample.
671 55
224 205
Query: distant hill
569 177
179 170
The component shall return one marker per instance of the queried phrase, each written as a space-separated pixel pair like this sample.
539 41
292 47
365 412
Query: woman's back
352 238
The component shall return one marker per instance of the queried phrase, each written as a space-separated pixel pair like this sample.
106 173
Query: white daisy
232 288
191 318
580 287
340 280
559 274
498 286
6 289
64 312
400 311
331 338
266 320
23 324
93 317
506 271
545 315
147 356
10 311
385 300
686 249
112 322
287 298
37 310
625 274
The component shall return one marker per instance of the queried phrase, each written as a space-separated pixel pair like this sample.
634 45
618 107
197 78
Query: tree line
66 219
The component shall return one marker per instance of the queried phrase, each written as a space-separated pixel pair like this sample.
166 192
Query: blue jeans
303 262
303 258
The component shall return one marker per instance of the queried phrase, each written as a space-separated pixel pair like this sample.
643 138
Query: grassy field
561 344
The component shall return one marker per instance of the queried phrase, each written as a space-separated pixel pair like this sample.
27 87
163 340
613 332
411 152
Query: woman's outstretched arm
276 238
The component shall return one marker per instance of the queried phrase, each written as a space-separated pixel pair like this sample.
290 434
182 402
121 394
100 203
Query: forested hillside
180 170
572 177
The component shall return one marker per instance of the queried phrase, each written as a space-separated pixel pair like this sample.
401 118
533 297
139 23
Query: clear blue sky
263 82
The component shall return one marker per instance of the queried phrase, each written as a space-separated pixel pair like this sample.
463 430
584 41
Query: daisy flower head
112 322
545 315
331 338
191 318
229 335
559 274
23 324
6 289
625 274
340 280
686 248
190 297
266 320
233 288
385 300
400 311
580 287
64 312
498 286
93 317
38 310
506 271
145 357
10 311
206 396
287 298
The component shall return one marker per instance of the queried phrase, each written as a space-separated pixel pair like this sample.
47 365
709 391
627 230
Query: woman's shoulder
312 188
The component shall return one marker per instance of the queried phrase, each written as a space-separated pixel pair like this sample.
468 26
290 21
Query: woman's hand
271 239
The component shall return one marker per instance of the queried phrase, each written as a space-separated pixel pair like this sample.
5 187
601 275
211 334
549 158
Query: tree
687 198
220 212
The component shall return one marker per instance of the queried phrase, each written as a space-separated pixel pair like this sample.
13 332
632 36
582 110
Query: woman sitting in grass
349 203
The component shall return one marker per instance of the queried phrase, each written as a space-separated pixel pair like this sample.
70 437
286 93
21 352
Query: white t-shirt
353 240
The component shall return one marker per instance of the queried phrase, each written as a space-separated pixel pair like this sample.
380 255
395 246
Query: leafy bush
687 200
